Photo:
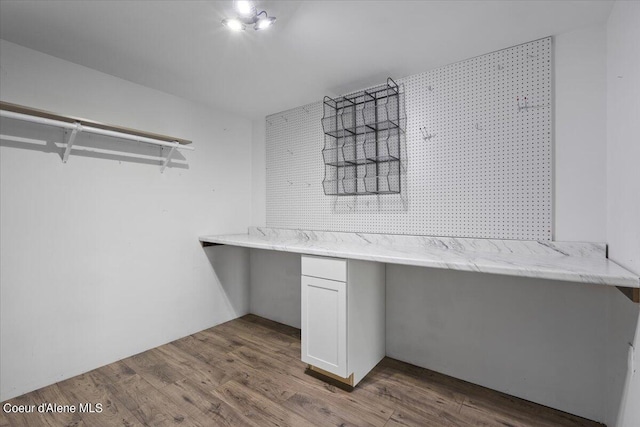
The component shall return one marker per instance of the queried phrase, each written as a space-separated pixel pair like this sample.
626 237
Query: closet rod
91 129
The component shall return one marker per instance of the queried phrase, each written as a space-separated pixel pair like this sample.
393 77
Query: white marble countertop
564 261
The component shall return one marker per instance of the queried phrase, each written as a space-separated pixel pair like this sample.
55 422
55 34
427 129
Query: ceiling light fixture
248 15
233 24
245 8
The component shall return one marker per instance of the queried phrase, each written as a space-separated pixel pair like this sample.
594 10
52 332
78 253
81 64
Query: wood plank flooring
247 372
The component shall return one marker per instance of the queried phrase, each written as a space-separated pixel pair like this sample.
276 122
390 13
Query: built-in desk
564 261
346 289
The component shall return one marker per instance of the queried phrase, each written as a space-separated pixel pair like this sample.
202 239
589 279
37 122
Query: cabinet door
324 324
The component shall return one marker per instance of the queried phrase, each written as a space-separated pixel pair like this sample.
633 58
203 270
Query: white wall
258 174
536 339
275 286
623 134
540 340
580 138
99 257
623 208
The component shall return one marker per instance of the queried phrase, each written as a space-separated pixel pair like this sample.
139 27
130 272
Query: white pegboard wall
485 172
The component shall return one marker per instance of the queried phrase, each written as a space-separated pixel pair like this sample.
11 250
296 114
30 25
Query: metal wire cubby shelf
362 142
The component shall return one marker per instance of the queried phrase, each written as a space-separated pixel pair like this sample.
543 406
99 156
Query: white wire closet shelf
77 125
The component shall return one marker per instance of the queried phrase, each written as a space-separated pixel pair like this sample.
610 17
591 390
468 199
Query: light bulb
244 8
264 23
233 24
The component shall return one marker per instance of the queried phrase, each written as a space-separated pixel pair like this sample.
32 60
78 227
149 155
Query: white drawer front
325 268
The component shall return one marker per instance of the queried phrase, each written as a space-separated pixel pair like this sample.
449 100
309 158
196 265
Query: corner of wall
623 209
580 135
258 174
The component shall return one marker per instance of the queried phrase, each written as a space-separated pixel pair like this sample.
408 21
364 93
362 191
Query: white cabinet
343 316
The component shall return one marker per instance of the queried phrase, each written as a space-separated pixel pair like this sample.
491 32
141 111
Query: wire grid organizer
362 136
476 157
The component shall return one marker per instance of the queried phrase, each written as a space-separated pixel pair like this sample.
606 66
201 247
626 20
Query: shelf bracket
168 158
70 141
207 244
632 293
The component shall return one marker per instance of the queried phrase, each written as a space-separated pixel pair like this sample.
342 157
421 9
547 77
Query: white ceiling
316 48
